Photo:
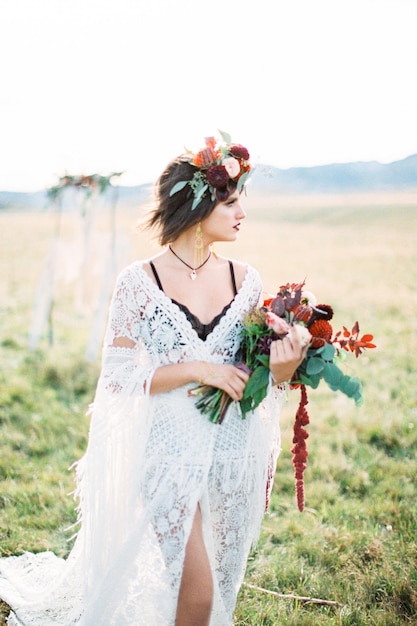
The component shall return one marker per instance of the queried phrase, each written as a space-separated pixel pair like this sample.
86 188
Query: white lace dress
150 461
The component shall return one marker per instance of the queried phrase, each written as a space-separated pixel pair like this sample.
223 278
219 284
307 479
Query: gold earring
198 246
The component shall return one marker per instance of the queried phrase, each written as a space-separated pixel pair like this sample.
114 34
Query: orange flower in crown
205 157
216 165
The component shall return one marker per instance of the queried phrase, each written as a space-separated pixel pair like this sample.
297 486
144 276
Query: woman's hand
286 355
229 378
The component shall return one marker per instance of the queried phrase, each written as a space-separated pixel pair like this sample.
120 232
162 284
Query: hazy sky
109 85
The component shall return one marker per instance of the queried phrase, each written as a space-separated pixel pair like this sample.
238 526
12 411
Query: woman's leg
196 591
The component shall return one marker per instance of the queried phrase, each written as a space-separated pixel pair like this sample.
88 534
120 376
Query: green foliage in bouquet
256 337
321 364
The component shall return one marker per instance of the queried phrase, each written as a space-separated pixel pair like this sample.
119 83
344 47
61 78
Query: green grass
42 407
355 544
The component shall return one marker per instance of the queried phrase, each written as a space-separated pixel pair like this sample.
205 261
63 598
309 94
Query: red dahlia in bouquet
269 322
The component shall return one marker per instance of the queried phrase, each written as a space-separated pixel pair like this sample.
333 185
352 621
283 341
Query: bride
169 503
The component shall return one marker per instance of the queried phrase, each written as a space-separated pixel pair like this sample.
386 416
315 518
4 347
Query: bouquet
269 322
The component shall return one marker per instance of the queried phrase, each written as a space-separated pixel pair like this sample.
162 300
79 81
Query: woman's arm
167 377
226 377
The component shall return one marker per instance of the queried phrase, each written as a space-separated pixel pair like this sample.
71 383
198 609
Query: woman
170 503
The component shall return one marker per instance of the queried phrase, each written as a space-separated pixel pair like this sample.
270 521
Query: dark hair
172 214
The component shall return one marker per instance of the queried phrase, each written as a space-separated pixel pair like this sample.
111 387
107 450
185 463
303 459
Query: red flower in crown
217 176
239 152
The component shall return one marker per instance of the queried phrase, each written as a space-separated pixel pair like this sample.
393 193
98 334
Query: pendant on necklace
193 275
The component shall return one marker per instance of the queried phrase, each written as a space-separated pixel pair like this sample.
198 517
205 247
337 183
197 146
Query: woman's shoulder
134 271
241 268
244 271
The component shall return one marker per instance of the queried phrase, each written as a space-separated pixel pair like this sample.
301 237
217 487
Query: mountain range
333 178
340 177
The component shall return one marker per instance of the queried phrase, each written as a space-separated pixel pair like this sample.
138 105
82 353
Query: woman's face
223 223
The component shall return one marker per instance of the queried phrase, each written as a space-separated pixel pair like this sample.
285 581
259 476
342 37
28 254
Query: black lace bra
202 330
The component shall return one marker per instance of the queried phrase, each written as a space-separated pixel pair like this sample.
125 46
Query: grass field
355 544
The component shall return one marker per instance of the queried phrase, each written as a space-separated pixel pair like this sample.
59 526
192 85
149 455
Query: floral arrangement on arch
269 322
216 165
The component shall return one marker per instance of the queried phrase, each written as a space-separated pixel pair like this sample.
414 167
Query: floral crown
216 165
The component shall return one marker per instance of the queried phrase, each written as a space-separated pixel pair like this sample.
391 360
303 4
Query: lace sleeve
126 366
126 311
